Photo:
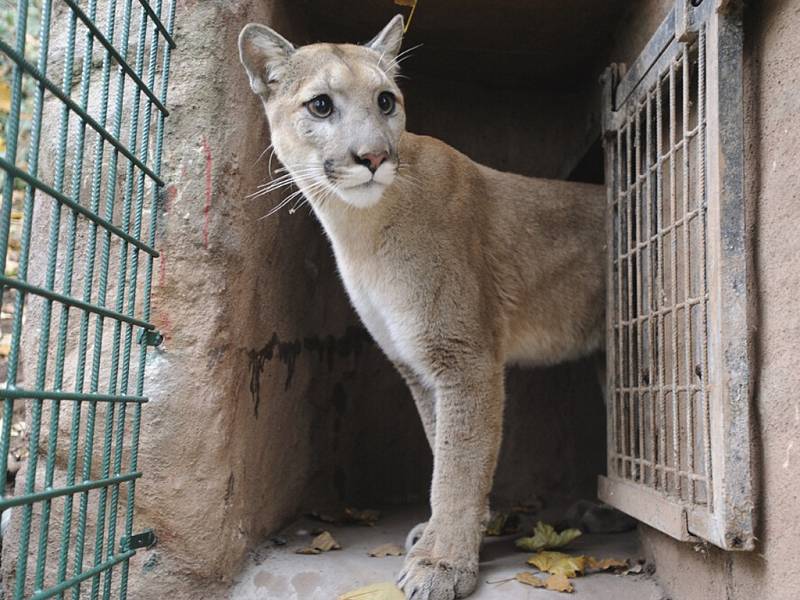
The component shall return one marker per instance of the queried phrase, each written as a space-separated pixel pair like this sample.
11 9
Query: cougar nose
371 160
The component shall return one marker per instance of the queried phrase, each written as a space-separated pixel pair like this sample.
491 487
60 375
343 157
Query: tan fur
455 268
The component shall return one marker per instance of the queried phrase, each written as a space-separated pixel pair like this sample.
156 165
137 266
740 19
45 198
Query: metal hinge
151 337
145 539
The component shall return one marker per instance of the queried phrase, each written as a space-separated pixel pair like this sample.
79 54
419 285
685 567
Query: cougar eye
386 102
320 106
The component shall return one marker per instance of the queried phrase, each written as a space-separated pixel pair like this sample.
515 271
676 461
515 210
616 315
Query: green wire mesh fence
82 93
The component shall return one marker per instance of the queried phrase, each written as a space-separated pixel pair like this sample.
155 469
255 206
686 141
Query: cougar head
335 112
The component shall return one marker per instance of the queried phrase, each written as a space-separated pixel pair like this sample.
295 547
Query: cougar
456 269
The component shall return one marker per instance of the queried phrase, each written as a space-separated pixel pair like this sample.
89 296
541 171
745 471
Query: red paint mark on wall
162 269
207 207
172 193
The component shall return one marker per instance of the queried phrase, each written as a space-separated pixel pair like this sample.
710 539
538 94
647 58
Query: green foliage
8 33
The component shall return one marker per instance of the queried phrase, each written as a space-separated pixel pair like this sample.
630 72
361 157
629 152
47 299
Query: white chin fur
362 196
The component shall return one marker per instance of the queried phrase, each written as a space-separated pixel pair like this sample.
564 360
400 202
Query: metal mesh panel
80 182
659 397
670 430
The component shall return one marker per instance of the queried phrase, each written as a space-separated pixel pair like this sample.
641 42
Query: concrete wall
772 129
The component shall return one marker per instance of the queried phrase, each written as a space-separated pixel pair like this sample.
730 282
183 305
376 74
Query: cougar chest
372 296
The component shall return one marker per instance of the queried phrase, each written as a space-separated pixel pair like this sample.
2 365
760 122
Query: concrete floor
277 573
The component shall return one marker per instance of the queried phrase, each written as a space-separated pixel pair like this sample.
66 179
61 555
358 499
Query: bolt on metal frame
678 374
99 94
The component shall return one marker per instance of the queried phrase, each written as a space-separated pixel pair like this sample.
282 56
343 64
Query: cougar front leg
443 565
425 400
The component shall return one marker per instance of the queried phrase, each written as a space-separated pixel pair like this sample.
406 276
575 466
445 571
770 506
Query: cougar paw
415 535
424 578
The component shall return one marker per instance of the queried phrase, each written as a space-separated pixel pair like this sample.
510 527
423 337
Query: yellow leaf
496 525
558 563
554 583
378 591
5 97
12 268
386 550
606 564
411 3
545 537
529 579
324 542
558 583
366 517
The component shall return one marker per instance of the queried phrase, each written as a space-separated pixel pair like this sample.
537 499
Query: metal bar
137 415
109 46
703 203
660 318
136 426
73 205
651 303
52 253
157 21
644 63
673 280
89 434
19 59
619 425
96 175
60 588
77 172
23 394
12 133
92 484
687 259
69 301
122 266
637 250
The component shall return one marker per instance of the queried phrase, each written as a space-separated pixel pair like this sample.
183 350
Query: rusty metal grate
678 418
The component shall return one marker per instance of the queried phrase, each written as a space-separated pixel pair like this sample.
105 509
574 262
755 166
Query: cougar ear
387 42
263 51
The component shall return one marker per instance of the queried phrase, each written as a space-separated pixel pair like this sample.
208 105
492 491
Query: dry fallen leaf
5 95
378 591
362 517
545 537
5 345
558 583
529 579
502 523
386 550
405 2
554 583
558 563
606 564
324 542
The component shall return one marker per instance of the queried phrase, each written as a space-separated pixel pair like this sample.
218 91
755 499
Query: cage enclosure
267 398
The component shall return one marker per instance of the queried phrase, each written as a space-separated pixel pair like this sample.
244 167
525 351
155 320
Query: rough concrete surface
277 573
772 139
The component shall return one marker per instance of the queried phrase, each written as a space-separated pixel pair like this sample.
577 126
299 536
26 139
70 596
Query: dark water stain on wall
325 348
